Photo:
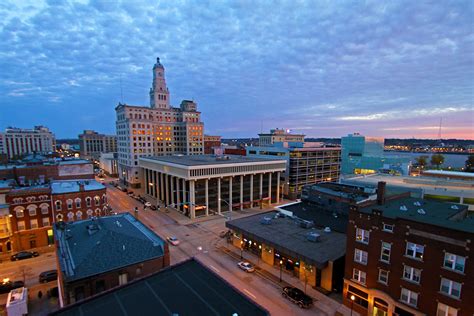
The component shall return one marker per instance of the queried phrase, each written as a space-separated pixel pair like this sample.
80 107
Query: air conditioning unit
313 237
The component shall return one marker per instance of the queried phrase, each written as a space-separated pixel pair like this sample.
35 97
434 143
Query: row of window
78 201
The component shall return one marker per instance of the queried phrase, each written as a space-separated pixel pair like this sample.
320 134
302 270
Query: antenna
121 90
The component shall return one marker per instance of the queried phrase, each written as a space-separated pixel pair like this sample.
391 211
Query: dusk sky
322 68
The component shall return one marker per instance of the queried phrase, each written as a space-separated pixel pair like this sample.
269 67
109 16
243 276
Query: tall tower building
157 130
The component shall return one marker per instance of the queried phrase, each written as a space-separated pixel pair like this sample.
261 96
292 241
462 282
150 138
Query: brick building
78 199
210 142
408 256
98 254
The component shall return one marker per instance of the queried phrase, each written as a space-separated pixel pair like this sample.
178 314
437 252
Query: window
123 278
360 256
414 250
88 201
454 262
409 297
46 221
70 216
411 274
58 205
21 225
383 276
450 288
385 253
78 203
97 200
69 204
79 215
32 210
387 228
359 276
33 224
362 235
44 209
19 213
445 310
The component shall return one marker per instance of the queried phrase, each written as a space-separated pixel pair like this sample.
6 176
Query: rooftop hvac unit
313 236
266 220
417 203
403 208
306 224
454 207
421 211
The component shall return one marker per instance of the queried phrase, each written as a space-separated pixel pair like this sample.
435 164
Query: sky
391 69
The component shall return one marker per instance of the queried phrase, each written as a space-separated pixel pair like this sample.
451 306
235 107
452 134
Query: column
155 185
241 192
147 182
278 187
270 187
178 201
184 194
261 189
167 190
172 189
251 190
162 188
192 199
207 196
230 194
219 196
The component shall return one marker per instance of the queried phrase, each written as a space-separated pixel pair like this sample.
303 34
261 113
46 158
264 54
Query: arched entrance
380 307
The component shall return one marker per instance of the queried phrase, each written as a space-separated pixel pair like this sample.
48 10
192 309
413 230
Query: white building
157 130
19 142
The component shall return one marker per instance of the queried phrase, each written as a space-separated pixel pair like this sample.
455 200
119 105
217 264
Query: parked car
47 276
24 255
147 204
153 208
173 240
246 266
7 285
129 193
297 296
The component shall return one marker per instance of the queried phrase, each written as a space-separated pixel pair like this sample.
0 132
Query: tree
422 161
470 163
437 160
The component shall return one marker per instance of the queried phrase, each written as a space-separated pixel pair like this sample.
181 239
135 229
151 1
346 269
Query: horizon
394 71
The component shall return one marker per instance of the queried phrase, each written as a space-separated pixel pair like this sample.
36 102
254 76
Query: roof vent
327 229
266 220
305 224
421 211
454 207
403 208
313 236
118 224
417 203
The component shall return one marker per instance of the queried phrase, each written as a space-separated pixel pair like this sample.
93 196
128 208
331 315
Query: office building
205 184
365 155
108 163
157 130
92 144
409 256
211 142
18 142
279 136
99 254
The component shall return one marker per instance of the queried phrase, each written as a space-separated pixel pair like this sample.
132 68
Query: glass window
409 297
21 225
359 276
44 209
411 274
414 250
360 256
362 235
123 279
46 221
388 228
33 223
445 310
385 252
383 276
58 205
69 204
78 203
19 213
451 288
88 201
32 211
454 262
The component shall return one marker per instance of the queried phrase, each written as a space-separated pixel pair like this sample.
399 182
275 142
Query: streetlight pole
259 254
241 249
230 208
281 265
352 302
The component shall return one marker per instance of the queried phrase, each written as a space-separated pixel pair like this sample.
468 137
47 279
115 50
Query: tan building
279 136
157 130
92 144
18 142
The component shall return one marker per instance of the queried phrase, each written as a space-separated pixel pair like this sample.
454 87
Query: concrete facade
92 144
18 142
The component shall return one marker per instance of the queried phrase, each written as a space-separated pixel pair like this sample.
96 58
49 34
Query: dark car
153 208
297 296
47 276
24 255
7 285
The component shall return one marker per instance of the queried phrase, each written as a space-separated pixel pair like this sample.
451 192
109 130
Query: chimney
81 186
381 192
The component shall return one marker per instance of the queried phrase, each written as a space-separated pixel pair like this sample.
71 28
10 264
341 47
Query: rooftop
286 235
447 215
69 186
73 162
188 288
98 245
448 173
201 160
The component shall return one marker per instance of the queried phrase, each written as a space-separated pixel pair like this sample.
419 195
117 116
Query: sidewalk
322 302
45 249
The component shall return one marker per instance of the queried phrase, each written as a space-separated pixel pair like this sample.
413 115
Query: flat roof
448 173
440 214
113 242
69 186
285 235
187 288
202 160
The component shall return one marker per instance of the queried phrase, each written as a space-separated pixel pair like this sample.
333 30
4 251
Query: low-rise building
201 185
108 162
92 144
99 254
210 142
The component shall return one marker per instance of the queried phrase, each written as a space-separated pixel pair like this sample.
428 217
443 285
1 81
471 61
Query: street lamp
352 302
241 249
259 254
230 208
281 265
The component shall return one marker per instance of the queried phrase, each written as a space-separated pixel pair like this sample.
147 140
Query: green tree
422 161
437 160
470 163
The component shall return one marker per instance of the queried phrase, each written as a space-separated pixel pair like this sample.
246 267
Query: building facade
92 144
18 142
109 164
157 130
210 142
408 256
279 136
204 185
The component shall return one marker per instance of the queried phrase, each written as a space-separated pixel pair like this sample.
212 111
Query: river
450 160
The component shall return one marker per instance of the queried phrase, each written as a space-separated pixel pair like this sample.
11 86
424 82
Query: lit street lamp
281 265
241 249
352 302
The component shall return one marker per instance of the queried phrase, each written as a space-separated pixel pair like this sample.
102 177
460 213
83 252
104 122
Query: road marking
214 268
248 292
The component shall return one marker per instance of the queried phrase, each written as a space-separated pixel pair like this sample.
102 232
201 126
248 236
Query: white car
173 240
247 267
147 204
